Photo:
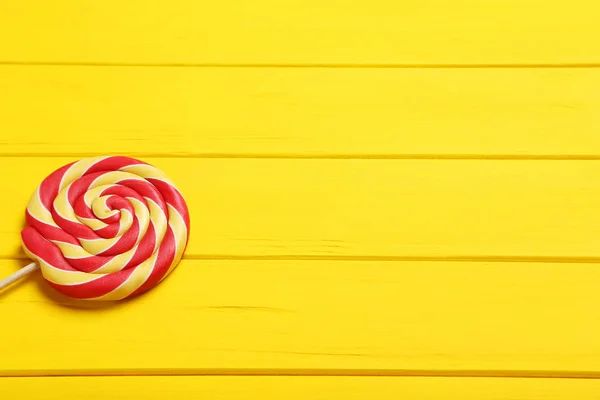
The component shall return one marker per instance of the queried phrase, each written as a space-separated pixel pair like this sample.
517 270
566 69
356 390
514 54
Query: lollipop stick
18 275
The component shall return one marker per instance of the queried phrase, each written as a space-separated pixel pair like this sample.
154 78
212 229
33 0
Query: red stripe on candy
113 163
166 255
49 187
48 231
96 288
174 198
35 243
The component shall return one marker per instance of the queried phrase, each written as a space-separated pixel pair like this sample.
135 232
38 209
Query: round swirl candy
106 228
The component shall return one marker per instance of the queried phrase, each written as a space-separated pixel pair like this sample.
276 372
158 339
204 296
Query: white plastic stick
18 275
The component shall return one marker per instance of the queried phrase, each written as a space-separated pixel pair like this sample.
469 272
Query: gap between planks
275 156
440 259
305 372
300 65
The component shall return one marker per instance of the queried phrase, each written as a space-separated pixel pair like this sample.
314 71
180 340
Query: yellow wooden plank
301 31
316 317
303 388
299 112
364 208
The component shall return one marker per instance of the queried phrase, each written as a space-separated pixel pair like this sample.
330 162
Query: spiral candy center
106 228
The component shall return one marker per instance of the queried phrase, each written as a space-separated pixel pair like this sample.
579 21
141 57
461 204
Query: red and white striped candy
106 228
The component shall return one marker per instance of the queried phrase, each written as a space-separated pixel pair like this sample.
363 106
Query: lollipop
105 228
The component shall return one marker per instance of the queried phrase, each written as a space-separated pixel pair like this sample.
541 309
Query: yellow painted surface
376 188
301 31
300 112
318 316
492 209
301 388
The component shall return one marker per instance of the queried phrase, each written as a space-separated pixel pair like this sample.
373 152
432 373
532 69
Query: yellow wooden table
389 199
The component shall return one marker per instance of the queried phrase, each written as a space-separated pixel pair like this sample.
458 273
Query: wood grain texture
441 209
304 388
296 112
301 32
376 188
316 317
